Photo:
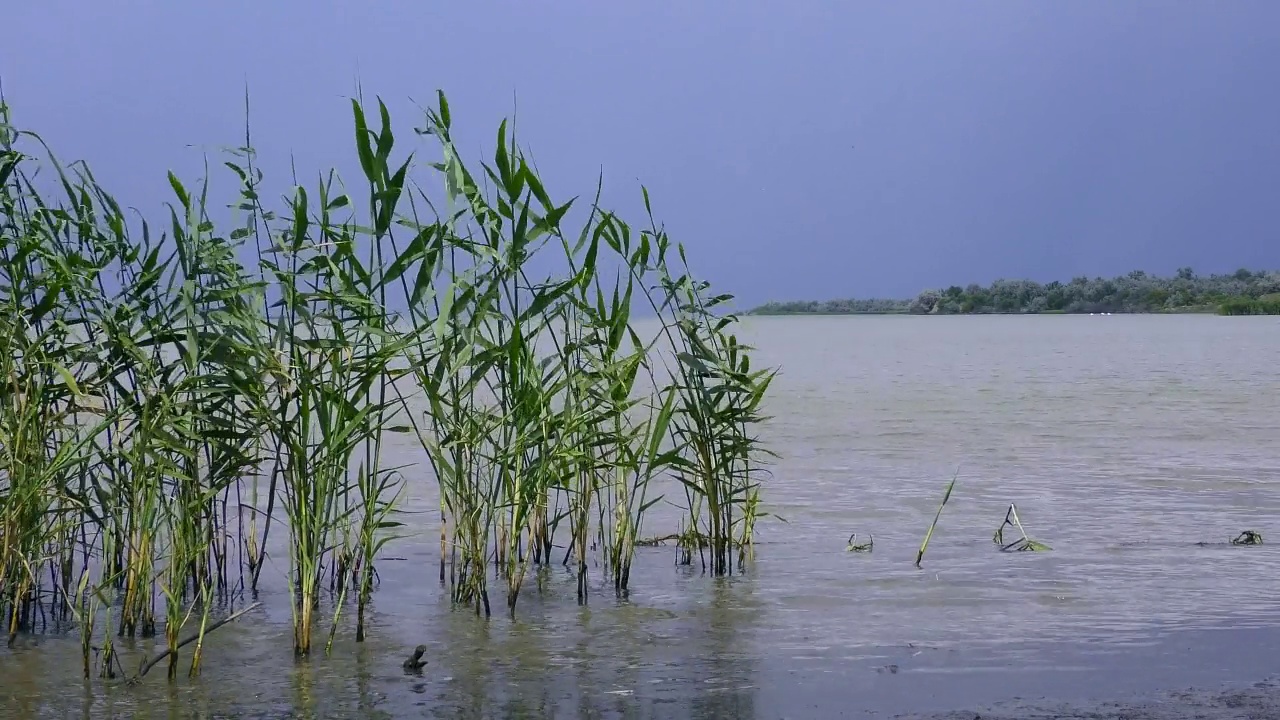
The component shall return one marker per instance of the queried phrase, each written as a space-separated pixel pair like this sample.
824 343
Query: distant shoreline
1244 292
1052 313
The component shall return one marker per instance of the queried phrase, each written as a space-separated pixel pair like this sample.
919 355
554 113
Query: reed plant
168 393
717 412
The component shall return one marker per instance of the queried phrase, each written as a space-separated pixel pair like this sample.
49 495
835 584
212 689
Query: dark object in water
855 546
415 661
1248 537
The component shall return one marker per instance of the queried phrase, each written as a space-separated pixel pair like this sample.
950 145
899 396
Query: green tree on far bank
1244 292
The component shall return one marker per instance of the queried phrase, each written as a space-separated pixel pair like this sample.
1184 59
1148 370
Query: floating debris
656 540
855 546
685 538
1248 537
1023 544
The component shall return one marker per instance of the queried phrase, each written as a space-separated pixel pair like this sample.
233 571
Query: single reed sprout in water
945 497
855 546
1023 543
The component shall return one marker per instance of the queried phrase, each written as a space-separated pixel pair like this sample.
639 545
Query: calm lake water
1123 440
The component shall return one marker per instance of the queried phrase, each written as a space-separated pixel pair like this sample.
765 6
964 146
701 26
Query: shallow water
1123 440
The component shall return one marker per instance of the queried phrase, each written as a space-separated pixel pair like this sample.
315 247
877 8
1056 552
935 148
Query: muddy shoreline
1255 702
1227 672
1222 670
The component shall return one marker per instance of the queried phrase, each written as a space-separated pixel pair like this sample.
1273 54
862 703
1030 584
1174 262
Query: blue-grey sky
800 149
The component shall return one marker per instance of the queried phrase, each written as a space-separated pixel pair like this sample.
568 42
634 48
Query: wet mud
1260 701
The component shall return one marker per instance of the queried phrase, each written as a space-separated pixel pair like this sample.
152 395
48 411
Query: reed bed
175 394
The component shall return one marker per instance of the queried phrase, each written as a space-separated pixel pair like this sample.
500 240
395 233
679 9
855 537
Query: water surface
1124 440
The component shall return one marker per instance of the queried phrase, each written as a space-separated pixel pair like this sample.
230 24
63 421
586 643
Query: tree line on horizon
1240 293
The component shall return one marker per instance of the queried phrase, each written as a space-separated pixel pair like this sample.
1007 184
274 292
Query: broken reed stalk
1248 537
1025 543
855 546
147 665
1010 518
946 496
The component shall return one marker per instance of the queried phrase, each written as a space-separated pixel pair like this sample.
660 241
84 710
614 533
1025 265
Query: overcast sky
800 149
